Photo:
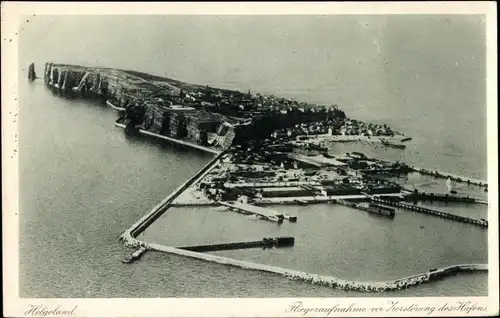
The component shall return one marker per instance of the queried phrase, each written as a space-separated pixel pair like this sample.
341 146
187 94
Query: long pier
452 176
265 242
444 215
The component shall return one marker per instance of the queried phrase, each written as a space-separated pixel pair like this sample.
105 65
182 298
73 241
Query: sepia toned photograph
249 155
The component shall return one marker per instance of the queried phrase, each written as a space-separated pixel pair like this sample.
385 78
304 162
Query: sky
322 59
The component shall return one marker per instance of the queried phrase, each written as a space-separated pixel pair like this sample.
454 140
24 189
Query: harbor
278 165
94 160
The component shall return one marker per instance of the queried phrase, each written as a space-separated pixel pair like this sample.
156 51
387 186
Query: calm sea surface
83 182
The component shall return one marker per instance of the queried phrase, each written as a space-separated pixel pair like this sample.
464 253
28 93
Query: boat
393 145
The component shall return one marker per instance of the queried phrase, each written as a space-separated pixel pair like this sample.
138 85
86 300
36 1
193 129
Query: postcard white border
247 307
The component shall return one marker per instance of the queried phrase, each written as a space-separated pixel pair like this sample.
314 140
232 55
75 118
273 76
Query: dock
482 223
265 213
264 243
329 281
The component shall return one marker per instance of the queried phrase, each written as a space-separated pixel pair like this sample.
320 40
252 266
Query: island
267 150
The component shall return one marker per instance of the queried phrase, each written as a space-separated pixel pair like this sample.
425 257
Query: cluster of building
331 127
355 127
259 174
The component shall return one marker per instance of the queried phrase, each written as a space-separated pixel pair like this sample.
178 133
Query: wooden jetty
266 214
444 215
265 242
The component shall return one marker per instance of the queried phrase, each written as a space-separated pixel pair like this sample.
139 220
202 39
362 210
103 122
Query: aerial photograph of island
253 156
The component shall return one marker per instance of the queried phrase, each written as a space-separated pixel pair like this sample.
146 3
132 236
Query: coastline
129 237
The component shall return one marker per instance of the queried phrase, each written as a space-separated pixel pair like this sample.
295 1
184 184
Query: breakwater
387 212
452 176
329 281
129 235
261 212
444 215
265 242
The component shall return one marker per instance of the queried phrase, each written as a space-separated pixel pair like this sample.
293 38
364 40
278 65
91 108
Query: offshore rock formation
31 72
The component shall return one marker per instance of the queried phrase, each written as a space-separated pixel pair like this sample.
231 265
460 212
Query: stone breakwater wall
315 279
